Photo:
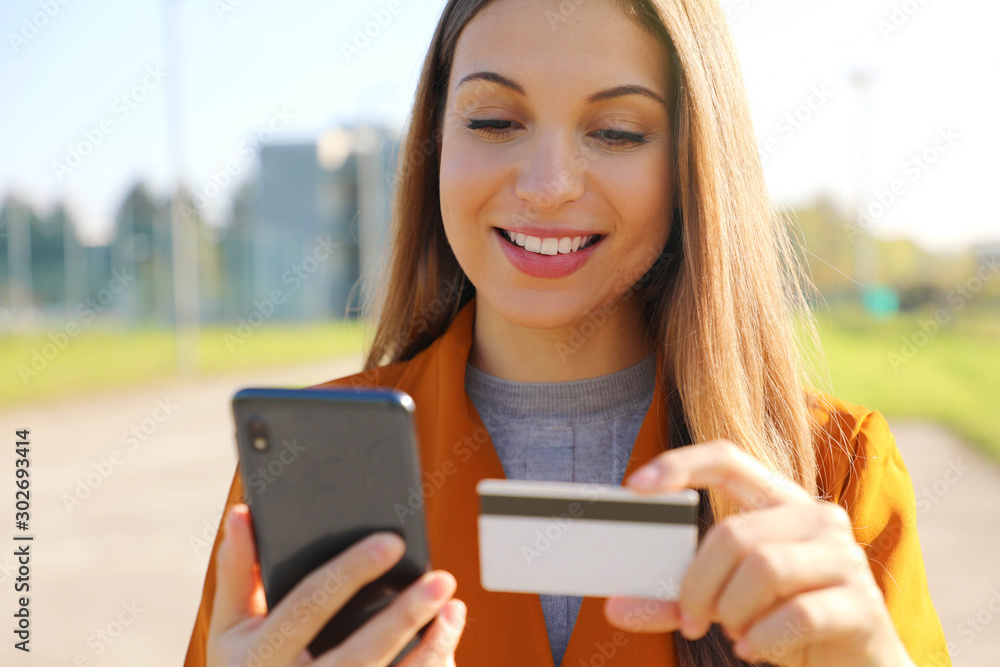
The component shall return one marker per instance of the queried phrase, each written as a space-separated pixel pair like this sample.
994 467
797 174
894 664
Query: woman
580 211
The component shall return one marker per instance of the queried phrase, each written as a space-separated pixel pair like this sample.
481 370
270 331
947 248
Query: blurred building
300 235
321 220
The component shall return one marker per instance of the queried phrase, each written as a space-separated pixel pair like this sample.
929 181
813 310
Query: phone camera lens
258 435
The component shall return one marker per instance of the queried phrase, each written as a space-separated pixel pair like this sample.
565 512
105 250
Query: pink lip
544 266
550 232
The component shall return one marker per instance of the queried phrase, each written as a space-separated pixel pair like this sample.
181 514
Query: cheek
466 185
640 194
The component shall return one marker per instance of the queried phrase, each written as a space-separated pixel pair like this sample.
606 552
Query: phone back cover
340 464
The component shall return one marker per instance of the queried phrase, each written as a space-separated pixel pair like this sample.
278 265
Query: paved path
958 505
122 539
134 550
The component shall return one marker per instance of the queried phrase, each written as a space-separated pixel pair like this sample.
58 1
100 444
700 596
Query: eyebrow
610 93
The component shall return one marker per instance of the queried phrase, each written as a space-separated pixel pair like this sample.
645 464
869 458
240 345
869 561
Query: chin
538 309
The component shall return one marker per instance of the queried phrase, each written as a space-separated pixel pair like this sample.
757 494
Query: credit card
571 538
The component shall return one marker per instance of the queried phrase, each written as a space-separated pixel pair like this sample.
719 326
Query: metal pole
71 267
128 259
19 260
865 248
372 201
184 237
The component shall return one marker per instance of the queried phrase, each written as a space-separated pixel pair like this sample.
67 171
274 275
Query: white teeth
549 245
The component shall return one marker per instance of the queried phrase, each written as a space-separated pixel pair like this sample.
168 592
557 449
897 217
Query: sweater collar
593 399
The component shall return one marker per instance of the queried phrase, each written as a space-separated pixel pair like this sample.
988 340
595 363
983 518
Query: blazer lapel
456 452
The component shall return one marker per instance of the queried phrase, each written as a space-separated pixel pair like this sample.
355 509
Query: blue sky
94 73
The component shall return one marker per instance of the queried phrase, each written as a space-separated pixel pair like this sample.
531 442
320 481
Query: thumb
236 594
643 614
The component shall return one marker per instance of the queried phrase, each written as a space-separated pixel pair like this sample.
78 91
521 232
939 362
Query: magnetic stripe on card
598 510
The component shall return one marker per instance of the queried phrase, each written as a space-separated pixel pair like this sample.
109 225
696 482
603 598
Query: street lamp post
184 237
865 251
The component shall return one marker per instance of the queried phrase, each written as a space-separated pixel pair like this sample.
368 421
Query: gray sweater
580 431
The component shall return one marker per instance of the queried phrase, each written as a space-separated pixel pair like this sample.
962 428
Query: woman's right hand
242 632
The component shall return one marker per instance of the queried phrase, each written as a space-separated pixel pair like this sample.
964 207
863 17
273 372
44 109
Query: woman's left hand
785 578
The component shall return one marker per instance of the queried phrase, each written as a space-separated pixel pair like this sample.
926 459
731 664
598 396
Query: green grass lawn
952 376
36 369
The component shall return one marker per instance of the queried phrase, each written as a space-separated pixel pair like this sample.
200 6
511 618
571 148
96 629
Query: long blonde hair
725 307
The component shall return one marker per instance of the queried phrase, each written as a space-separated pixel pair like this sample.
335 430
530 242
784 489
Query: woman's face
555 128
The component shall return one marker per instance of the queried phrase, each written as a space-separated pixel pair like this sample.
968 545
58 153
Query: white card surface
597 540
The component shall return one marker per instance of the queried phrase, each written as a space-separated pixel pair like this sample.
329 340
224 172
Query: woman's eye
489 127
616 139
619 139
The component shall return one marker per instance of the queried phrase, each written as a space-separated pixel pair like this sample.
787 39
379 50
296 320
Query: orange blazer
509 628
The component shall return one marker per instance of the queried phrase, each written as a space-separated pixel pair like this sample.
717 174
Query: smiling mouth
550 245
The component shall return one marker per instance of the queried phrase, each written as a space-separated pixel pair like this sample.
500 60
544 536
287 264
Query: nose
553 172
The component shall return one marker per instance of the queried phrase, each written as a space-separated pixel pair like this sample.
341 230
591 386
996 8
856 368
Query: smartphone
573 538
322 469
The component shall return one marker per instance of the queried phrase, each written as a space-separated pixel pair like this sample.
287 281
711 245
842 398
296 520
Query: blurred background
190 192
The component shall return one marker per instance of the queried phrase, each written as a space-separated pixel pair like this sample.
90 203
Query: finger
778 570
724 547
234 574
720 464
642 614
439 644
379 640
325 590
806 620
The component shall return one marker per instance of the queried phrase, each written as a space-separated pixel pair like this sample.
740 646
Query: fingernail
689 626
455 615
434 590
646 478
230 517
382 545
